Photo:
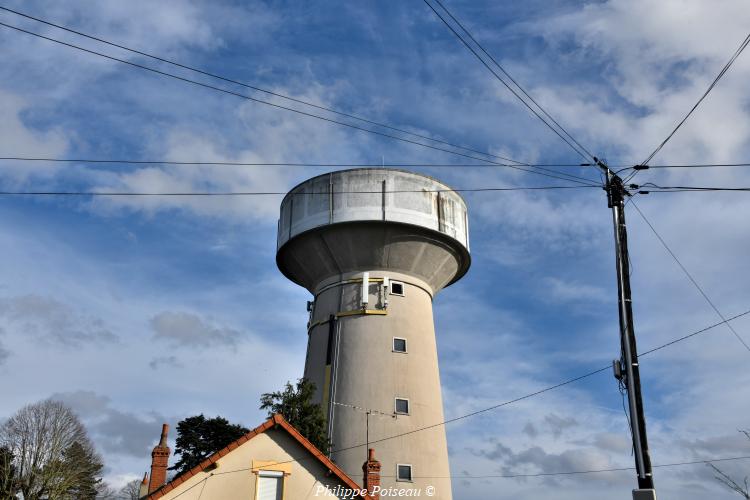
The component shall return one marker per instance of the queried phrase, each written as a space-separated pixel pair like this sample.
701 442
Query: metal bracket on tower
365 289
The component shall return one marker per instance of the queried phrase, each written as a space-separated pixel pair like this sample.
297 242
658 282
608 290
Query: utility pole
626 368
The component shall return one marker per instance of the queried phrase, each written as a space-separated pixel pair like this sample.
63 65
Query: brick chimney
143 490
371 470
159 462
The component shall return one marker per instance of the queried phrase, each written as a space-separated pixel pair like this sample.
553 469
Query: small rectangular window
270 485
399 344
402 406
403 472
397 288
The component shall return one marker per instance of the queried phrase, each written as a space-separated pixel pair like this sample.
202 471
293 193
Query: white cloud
114 431
18 139
565 291
183 329
659 59
50 320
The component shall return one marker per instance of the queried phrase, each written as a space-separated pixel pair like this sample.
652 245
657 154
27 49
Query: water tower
374 247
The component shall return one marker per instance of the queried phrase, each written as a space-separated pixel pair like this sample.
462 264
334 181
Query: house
271 462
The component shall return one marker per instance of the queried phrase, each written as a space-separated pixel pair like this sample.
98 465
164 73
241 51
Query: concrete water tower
374 247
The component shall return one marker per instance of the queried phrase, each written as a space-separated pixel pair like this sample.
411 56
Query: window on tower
399 344
402 406
397 288
403 472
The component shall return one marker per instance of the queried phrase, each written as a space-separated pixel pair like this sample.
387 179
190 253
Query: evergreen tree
296 405
8 487
84 484
199 437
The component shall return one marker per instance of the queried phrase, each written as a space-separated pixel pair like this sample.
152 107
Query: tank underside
313 256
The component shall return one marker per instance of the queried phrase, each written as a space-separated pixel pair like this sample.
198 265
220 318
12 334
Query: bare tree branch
727 480
50 453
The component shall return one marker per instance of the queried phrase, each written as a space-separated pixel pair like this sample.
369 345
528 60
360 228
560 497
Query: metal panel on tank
373 195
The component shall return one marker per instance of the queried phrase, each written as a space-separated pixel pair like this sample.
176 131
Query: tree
131 491
298 409
724 478
51 456
87 466
199 437
7 474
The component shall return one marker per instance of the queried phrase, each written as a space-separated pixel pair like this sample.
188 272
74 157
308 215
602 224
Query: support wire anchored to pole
626 369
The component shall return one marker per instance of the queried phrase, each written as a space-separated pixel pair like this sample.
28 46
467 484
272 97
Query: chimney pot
159 462
164 432
143 489
371 469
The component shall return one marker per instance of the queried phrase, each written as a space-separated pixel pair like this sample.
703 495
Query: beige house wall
234 478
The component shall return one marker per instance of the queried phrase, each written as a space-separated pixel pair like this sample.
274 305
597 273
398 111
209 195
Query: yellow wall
234 479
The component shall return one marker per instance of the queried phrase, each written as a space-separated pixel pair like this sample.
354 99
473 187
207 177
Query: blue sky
143 310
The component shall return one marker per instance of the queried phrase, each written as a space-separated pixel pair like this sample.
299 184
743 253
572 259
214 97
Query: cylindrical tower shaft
374 246
378 372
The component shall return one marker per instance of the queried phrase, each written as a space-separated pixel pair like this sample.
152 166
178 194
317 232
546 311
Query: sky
142 310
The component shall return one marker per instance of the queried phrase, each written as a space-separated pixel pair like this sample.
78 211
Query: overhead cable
682 189
279 193
518 85
532 394
578 472
538 170
253 87
710 87
544 474
278 164
689 165
583 154
690 277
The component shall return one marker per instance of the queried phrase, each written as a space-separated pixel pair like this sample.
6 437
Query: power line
710 87
279 193
689 165
547 389
354 164
539 170
204 486
497 64
243 96
203 482
541 474
683 189
545 474
685 337
279 164
586 155
533 394
690 277
530 395
578 472
253 87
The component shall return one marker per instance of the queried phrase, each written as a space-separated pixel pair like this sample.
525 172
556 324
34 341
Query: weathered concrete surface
333 229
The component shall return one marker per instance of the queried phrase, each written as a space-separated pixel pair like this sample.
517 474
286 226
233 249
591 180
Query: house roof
276 421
